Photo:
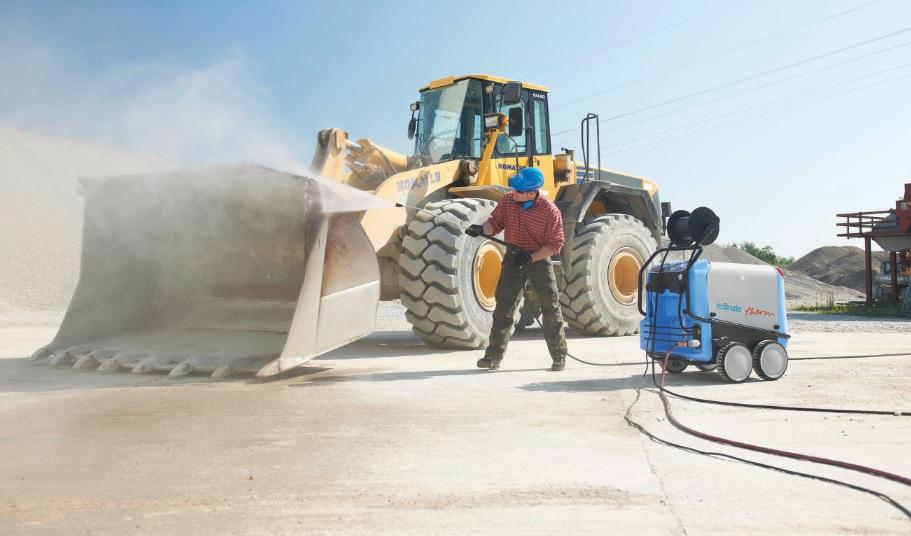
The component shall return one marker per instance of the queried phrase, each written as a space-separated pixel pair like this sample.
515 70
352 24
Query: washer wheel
735 362
675 365
770 360
706 367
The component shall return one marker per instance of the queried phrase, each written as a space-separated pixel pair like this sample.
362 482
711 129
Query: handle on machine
686 286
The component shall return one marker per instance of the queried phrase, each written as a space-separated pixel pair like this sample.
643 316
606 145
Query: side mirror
413 124
512 93
516 128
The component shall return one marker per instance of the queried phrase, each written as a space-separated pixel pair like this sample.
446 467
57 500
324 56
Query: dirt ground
389 436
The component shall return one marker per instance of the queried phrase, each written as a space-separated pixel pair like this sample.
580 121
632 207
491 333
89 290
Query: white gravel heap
41 214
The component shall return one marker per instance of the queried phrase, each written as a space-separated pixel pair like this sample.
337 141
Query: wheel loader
244 269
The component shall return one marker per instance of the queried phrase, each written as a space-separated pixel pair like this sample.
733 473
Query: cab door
534 141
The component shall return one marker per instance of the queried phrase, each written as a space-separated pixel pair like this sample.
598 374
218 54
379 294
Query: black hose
787 408
629 421
767 450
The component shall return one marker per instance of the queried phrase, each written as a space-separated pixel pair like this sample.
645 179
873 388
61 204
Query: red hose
767 450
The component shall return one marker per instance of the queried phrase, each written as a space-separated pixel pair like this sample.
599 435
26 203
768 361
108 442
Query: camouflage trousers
510 289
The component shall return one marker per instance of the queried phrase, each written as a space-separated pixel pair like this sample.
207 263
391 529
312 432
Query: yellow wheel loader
241 268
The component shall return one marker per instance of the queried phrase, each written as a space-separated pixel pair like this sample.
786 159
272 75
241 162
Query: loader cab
450 120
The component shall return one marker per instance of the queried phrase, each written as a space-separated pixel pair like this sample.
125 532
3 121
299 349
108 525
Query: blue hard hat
527 179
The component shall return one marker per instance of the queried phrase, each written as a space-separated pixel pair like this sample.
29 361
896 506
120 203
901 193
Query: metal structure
890 229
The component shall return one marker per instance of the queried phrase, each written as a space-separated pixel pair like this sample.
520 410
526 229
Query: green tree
765 254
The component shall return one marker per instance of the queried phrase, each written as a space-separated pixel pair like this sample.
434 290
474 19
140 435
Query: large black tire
599 298
436 280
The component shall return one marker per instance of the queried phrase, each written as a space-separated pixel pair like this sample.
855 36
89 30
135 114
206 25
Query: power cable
758 116
754 107
760 74
872 471
786 408
739 93
722 53
811 409
674 69
816 358
633 39
867 356
661 441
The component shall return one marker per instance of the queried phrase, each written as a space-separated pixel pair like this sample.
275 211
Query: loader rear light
780 270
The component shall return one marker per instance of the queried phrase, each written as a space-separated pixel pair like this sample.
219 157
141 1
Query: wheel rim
773 360
623 275
488 262
738 363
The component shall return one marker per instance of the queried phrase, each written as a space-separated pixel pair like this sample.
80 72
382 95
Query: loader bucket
222 270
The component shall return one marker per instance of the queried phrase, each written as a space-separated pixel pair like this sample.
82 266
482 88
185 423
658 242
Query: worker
532 224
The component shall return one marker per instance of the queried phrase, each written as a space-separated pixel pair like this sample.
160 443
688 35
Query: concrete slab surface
389 436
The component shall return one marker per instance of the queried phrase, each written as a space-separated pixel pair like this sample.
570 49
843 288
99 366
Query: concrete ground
389 436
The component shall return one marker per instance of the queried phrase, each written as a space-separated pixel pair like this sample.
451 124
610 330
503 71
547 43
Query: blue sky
203 82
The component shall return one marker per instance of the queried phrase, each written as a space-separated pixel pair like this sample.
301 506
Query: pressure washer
717 316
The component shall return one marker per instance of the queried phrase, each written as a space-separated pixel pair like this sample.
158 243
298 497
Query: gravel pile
798 322
837 265
41 214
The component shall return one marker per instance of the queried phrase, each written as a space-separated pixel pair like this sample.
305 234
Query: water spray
503 243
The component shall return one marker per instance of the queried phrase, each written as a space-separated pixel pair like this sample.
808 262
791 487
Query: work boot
488 363
558 364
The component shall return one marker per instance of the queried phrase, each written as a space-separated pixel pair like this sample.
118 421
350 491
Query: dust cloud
57 126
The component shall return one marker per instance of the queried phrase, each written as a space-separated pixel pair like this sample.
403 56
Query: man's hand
521 258
474 230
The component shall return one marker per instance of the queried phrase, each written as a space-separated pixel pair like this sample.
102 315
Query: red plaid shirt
532 229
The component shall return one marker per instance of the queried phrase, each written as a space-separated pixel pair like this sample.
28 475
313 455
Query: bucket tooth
143 367
85 362
110 365
182 369
128 360
42 353
224 371
61 359
102 355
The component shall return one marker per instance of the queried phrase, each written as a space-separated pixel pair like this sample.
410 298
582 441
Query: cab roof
449 80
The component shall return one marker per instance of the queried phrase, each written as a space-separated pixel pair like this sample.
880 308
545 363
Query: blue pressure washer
724 316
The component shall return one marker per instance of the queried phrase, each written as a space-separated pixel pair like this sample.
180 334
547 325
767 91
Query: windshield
449 124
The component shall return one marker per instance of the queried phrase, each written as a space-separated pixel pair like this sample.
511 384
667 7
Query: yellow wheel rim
623 276
488 262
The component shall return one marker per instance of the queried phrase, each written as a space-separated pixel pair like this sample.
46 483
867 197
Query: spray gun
511 248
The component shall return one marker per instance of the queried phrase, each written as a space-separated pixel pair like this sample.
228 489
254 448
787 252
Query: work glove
474 230
520 258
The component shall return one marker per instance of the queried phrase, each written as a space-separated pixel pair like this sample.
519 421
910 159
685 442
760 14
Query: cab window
541 131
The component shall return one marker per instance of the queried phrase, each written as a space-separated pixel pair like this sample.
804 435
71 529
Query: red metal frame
861 224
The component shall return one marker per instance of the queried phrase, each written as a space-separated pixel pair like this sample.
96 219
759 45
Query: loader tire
599 290
447 301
